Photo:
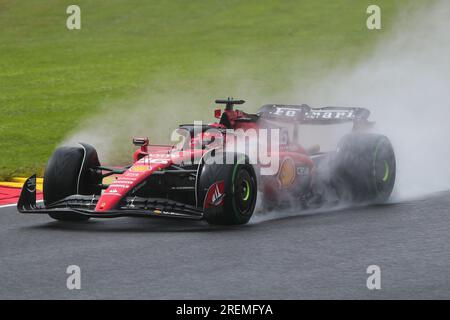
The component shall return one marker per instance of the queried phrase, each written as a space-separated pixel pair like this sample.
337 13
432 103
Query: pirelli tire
68 172
240 189
365 168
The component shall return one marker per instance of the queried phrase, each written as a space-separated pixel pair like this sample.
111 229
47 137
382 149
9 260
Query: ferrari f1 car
182 181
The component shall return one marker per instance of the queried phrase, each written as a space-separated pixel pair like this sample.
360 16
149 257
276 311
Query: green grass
52 78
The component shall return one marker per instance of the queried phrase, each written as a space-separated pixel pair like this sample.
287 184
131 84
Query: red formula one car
208 175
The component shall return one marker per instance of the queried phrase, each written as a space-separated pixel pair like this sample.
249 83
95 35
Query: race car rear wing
304 114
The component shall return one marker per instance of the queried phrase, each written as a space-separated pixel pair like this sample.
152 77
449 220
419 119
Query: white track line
8 205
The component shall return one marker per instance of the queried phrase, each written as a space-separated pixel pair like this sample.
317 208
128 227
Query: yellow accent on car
140 168
287 172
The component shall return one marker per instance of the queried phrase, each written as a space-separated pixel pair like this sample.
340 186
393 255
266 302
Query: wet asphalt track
320 255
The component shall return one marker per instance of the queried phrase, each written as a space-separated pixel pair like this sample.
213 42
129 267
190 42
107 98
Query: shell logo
286 174
140 168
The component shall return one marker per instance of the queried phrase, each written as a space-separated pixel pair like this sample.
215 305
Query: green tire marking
247 193
386 171
242 159
375 155
234 170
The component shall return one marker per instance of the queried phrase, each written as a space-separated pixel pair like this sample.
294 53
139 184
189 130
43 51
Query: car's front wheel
227 192
68 172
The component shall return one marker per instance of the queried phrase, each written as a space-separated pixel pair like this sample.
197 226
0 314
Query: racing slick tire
366 167
237 197
68 173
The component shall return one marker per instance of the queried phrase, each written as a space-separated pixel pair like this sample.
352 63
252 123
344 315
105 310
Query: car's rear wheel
365 168
235 182
68 172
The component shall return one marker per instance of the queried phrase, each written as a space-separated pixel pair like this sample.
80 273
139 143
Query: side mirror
140 142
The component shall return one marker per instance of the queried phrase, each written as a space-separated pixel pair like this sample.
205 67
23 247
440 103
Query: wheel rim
244 192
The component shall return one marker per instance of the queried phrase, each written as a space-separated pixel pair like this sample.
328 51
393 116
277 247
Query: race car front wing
85 205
